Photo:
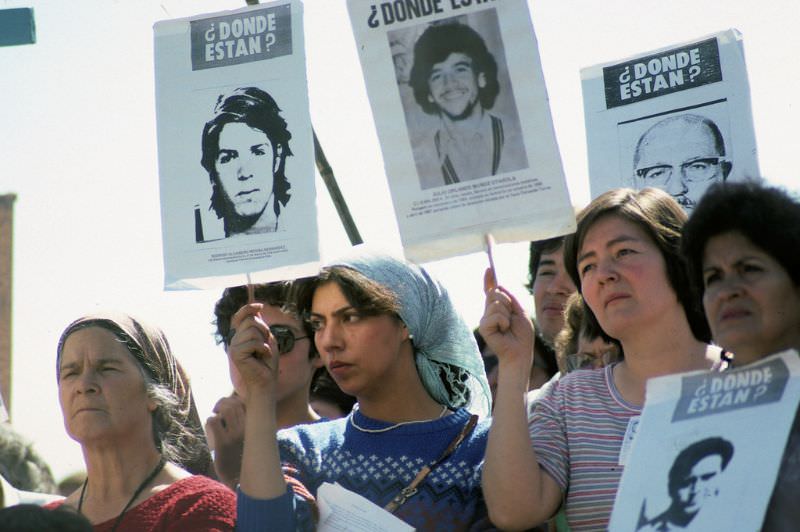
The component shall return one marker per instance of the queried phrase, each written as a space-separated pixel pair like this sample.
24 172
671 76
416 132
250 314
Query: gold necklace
391 427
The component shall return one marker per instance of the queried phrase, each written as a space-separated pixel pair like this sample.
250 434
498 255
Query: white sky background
78 147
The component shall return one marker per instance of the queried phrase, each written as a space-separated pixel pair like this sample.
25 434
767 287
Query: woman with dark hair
742 245
625 260
389 335
127 401
245 146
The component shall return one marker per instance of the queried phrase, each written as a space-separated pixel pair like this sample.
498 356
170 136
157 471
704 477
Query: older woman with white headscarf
127 401
389 335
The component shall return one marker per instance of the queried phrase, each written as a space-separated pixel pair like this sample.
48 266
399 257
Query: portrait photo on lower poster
682 151
695 480
457 99
245 144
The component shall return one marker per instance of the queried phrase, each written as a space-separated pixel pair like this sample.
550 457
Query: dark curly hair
768 217
435 44
273 294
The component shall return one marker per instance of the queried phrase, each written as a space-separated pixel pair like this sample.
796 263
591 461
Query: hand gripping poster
461 110
235 149
709 447
677 118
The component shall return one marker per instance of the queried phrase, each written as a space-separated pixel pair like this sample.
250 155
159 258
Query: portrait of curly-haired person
462 118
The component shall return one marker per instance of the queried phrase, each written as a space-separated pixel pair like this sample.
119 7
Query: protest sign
235 150
463 121
677 118
706 442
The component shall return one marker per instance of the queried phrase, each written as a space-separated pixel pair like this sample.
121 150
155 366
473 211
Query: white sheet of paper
623 99
341 510
514 188
198 60
751 408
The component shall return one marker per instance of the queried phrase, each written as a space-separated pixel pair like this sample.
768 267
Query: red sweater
196 503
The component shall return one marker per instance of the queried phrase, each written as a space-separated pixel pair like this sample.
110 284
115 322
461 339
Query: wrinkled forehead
114 333
94 342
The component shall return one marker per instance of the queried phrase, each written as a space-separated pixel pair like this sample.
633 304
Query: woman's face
245 166
751 303
101 388
624 278
362 353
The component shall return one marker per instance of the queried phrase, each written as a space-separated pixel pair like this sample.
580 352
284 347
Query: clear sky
78 147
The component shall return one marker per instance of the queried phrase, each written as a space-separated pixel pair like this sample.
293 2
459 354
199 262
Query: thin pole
326 172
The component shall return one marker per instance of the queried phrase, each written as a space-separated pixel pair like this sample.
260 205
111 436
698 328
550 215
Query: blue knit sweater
377 466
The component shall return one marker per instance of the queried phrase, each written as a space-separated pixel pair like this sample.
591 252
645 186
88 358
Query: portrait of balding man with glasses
682 155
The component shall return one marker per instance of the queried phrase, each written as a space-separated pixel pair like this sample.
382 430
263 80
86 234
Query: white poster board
235 150
464 123
708 448
677 118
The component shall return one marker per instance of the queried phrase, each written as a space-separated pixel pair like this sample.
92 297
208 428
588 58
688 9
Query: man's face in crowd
701 484
245 167
454 86
681 158
551 288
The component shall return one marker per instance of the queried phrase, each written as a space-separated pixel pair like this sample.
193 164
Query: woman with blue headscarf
389 335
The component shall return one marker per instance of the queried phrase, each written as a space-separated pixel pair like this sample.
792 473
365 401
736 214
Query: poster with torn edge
463 122
706 442
677 118
235 150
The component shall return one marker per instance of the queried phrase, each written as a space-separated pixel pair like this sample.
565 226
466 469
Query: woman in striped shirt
625 260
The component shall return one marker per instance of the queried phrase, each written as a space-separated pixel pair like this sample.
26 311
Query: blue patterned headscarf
446 355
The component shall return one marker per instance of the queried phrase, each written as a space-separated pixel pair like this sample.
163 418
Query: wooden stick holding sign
251 290
490 253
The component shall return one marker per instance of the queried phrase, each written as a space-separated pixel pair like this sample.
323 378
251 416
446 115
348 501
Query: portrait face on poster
244 145
682 152
457 99
695 480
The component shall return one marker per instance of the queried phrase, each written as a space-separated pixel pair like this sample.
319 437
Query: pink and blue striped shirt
577 428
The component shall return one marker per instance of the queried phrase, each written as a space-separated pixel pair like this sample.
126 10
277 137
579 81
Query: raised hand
225 431
506 327
253 352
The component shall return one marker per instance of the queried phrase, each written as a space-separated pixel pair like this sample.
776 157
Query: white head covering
447 357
